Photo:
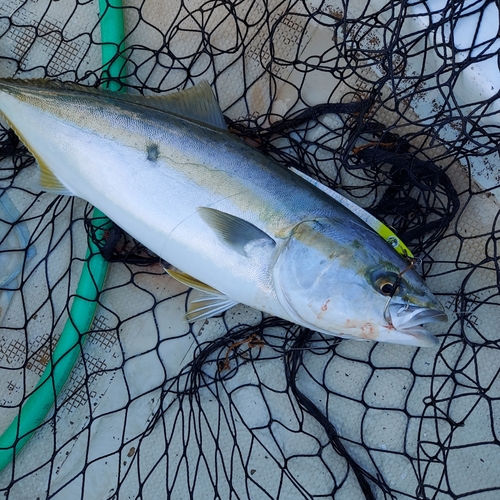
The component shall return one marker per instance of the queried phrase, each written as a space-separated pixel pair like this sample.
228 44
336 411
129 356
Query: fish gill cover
394 105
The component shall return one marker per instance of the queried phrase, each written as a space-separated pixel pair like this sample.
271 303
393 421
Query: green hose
112 36
69 345
63 358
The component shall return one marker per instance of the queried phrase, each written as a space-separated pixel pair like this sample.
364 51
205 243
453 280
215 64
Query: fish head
346 280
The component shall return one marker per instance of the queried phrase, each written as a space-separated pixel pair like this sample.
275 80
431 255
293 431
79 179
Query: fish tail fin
47 180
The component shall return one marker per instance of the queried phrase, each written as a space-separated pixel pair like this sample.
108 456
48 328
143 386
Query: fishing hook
395 286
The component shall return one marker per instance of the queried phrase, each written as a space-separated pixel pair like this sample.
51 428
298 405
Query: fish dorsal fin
234 232
384 231
197 103
210 303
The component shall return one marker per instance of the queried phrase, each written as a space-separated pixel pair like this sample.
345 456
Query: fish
230 221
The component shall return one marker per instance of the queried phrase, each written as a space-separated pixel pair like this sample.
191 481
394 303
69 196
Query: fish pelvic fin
210 303
234 232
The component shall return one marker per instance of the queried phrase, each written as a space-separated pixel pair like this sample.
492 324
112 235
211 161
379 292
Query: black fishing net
392 104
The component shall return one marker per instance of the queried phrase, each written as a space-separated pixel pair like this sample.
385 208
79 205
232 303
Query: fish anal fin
233 231
191 282
49 182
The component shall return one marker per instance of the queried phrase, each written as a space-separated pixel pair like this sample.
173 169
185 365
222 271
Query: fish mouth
409 322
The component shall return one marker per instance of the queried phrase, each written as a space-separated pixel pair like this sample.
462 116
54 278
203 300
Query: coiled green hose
69 345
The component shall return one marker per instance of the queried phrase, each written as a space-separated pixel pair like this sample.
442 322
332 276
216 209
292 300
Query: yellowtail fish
233 222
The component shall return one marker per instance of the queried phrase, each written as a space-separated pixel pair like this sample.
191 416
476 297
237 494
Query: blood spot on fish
153 152
324 308
367 331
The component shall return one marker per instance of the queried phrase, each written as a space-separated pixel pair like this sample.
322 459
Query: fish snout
409 321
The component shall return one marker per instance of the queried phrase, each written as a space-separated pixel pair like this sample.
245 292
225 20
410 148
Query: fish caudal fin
47 181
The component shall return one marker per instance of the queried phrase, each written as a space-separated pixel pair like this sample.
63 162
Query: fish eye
386 282
386 287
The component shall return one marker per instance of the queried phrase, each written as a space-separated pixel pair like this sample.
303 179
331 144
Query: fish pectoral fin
210 303
234 232
47 181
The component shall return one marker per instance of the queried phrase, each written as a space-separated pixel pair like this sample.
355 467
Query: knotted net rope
374 100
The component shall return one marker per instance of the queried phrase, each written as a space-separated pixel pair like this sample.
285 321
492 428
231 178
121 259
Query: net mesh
393 104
